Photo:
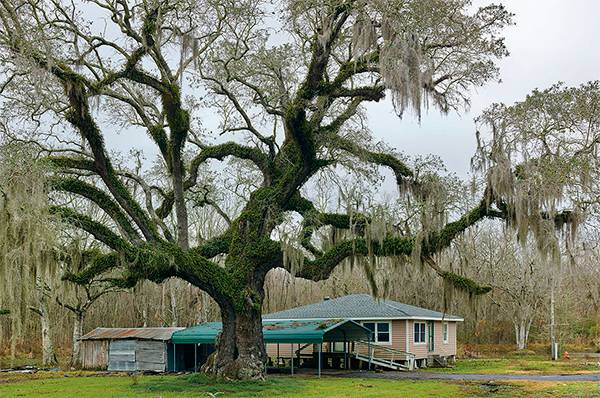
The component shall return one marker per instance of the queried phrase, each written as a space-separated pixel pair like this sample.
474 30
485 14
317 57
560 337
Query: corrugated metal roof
282 332
162 334
360 307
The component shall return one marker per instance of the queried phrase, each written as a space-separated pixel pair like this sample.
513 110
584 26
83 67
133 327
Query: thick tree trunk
240 353
240 347
77 333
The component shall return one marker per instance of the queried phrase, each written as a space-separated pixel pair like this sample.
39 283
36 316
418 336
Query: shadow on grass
496 390
202 384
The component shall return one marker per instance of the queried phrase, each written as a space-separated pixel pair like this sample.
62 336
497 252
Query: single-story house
127 349
400 332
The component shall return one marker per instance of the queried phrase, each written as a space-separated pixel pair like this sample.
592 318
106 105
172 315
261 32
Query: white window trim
375 333
426 334
446 328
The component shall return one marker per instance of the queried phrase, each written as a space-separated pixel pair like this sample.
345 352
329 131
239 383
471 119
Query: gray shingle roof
359 307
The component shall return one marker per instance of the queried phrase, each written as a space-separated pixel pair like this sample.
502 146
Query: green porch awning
289 331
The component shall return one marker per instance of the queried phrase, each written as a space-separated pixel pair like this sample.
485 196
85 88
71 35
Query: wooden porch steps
384 356
386 363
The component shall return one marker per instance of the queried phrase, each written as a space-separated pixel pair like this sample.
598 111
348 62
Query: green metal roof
289 331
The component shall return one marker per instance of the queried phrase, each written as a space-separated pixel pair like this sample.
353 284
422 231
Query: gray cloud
553 40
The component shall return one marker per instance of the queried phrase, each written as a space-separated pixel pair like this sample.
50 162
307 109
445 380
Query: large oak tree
289 81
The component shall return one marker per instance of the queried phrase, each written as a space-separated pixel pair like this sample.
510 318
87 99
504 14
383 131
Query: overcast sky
553 40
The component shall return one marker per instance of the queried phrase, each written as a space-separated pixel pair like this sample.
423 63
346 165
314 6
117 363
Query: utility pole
554 347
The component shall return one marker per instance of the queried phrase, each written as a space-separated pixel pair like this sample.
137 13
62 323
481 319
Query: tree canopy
286 82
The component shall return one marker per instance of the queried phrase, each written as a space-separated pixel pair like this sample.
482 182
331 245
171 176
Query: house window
381 331
445 332
419 332
338 346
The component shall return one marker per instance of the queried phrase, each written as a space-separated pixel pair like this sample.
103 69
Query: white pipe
320 350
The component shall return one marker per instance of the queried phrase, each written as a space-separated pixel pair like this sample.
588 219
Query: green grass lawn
518 365
305 387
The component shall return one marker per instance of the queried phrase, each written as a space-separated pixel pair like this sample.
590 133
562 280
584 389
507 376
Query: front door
431 340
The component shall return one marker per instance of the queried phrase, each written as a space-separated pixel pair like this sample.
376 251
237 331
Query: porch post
195 358
292 357
353 350
348 345
370 352
320 350
174 357
345 352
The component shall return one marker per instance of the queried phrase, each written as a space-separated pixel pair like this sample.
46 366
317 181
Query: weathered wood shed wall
94 354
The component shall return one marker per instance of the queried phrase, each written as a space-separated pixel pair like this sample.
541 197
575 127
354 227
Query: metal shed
127 349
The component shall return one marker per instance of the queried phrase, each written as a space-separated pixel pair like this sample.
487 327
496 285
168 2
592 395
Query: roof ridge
444 313
396 308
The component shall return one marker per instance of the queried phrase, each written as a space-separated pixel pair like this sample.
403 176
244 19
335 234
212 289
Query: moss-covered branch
96 264
215 246
94 228
221 151
79 116
297 127
68 162
400 169
159 261
439 240
464 284
156 262
368 93
321 267
101 199
76 88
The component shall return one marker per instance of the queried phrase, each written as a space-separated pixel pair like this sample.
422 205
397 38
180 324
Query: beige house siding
285 349
421 350
441 348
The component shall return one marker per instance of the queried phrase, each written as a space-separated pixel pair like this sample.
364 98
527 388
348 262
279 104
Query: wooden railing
384 356
299 350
